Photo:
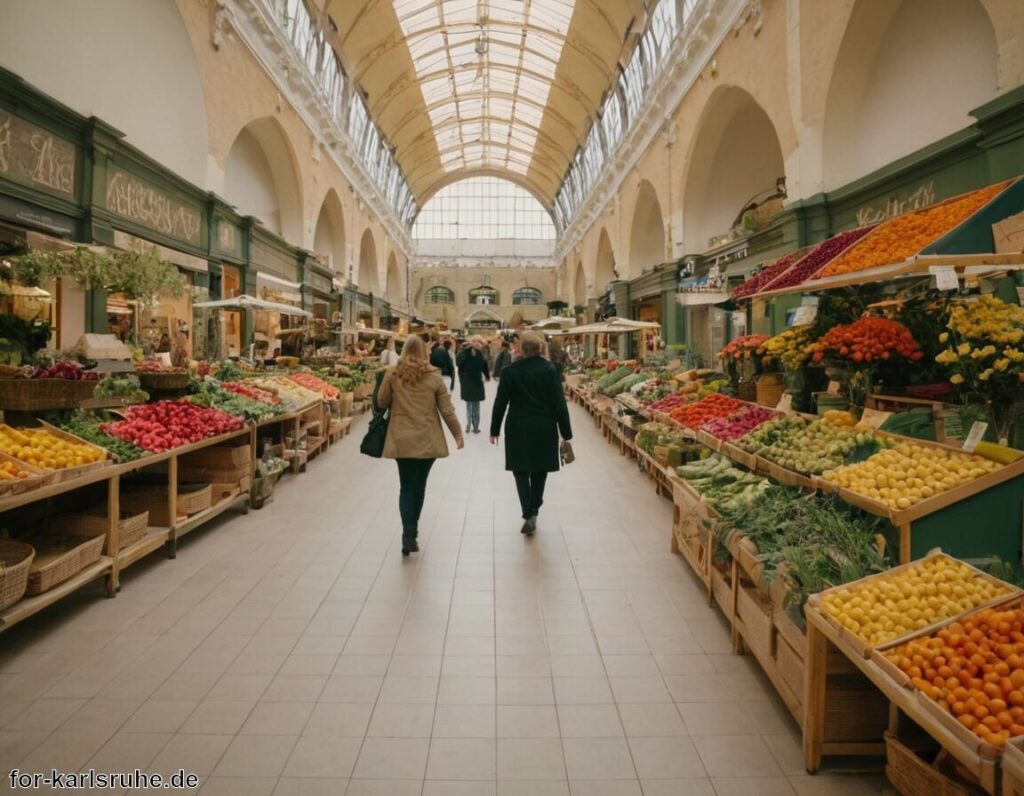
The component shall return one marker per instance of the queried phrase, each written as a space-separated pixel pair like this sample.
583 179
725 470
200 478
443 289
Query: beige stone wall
463 279
788 68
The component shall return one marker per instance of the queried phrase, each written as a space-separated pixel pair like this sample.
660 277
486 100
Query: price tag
785 403
833 388
974 436
874 418
805 314
945 277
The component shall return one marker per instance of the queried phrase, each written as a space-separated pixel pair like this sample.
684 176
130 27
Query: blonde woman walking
418 399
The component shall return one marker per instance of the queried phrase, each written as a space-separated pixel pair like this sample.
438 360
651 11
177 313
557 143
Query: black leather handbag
377 431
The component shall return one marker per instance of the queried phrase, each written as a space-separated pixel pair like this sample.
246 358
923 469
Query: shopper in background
558 358
418 399
439 359
389 356
473 371
532 393
503 360
450 348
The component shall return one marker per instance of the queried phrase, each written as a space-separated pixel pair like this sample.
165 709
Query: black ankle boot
409 544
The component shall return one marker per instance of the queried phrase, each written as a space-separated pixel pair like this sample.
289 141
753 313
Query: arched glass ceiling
483 208
463 87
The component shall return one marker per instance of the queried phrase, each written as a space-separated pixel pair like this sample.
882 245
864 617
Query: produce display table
110 565
822 641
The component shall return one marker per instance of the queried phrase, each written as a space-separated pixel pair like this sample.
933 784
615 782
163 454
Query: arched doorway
395 288
605 270
877 109
580 287
261 180
367 279
647 235
329 238
736 160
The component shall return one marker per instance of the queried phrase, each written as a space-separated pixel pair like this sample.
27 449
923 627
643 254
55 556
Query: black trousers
531 492
412 477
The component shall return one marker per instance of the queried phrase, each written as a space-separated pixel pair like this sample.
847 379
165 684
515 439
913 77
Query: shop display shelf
28 606
154 539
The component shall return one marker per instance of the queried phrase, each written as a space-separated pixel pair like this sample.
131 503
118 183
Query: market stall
230 307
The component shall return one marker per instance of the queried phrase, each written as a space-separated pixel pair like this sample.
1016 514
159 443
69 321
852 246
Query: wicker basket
912 776
345 401
770 387
37 395
59 558
163 381
15 561
746 390
93 522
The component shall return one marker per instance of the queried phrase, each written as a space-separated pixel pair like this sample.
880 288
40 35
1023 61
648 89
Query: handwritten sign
138 201
945 277
974 436
32 156
874 418
805 314
785 403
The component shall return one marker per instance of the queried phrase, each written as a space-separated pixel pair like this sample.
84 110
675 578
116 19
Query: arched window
483 208
439 295
483 295
527 295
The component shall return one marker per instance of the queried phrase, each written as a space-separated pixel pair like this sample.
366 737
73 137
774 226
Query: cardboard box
1009 235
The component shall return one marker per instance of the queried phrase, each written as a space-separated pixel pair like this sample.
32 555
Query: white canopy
554 322
613 326
250 303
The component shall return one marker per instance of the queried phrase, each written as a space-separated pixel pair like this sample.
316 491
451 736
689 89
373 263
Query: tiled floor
295 651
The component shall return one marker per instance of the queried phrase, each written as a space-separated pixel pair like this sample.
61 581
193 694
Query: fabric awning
701 299
250 303
21 291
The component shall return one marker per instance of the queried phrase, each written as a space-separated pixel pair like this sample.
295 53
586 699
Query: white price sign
785 403
805 314
945 277
874 418
974 436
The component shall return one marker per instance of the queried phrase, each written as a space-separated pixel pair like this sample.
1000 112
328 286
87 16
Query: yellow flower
947 357
964 349
944 337
1001 364
956 378
985 374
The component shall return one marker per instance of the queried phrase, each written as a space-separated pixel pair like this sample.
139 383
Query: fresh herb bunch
86 425
207 392
818 541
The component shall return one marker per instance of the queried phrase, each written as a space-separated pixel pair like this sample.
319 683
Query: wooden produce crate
15 563
1013 768
192 498
855 645
69 473
39 477
93 521
229 455
59 558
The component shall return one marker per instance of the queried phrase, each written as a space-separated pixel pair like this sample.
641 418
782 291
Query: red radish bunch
255 393
668 403
738 424
170 424
65 369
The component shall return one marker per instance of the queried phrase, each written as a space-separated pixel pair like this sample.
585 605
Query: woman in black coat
531 390
473 371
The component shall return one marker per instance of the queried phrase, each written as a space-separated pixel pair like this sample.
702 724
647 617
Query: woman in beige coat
418 399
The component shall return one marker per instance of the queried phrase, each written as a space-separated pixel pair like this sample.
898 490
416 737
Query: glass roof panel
493 50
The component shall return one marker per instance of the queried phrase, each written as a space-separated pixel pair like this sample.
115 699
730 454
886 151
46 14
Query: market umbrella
245 302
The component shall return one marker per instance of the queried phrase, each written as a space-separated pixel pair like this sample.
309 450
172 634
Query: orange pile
904 236
974 669
9 471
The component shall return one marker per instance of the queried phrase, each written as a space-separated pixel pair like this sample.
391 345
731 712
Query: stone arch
150 87
261 178
881 104
735 158
395 285
647 232
367 277
605 271
329 237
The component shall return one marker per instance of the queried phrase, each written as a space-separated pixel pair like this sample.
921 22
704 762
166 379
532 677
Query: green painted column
96 311
673 319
